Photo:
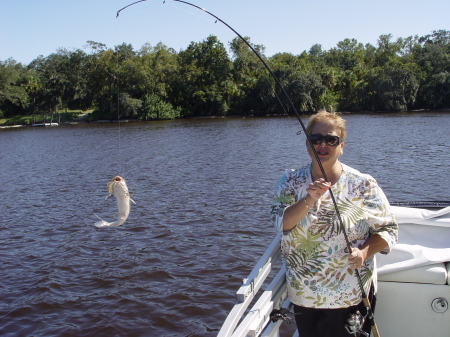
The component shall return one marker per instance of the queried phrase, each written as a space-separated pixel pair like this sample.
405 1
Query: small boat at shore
413 282
46 124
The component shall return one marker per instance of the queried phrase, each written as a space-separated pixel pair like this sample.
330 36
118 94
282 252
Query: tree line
206 79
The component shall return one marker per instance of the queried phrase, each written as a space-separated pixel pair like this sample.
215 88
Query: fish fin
132 201
109 196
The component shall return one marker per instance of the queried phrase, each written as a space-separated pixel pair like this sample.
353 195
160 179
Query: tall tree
204 73
247 71
387 51
392 88
13 94
53 74
347 55
103 79
432 55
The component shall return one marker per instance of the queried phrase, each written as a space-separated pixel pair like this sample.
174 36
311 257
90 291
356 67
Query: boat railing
241 322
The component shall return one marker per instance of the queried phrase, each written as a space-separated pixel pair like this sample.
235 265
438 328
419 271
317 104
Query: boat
11 126
413 282
46 124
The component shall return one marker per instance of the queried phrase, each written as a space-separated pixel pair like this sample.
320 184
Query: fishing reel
281 314
355 324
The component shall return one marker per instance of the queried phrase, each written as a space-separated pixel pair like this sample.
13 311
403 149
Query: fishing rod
365 299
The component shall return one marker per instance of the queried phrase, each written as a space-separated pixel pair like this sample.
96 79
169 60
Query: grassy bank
59 117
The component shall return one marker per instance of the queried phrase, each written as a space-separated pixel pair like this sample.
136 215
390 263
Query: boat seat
437 273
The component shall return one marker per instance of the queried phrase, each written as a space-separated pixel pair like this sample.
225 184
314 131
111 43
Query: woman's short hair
323 116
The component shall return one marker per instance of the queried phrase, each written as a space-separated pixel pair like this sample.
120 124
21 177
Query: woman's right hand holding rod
294 213
318 188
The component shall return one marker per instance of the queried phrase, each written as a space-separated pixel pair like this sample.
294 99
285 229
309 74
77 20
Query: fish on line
117 188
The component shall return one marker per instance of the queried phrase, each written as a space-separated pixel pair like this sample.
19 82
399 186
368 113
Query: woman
320 272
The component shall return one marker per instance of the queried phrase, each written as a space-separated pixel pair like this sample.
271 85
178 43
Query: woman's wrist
308 203
294 213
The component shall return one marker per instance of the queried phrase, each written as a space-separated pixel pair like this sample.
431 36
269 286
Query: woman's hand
356 258
295 212
318 188
359 255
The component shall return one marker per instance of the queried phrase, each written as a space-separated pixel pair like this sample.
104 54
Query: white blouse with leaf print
315 251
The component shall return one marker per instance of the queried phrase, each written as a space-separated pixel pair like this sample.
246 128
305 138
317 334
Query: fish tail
115 223
102 223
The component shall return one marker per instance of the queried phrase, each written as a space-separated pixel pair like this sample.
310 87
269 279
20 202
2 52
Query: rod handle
373 325
375 330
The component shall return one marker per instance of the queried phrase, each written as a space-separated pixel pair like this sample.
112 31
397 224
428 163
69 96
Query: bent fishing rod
365 299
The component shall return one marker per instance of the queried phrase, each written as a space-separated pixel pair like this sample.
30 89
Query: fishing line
119 162
189 12
292 106
118 118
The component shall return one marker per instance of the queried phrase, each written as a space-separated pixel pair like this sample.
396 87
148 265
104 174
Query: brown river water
203 191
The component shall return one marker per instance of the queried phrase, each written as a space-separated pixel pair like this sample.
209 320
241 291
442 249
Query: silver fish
117 187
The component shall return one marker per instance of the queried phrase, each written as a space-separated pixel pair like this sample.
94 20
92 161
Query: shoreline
82 120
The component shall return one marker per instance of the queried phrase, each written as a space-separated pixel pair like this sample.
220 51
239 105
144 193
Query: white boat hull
405 310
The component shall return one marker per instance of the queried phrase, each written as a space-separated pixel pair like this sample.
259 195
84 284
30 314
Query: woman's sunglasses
317 139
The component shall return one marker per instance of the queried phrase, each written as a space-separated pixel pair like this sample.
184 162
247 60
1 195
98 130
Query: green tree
103 82
348 55
33 87
307 91
204 73
392 88
301 83
154 107
62 81
152 72
344 74
76 69
13 94
52 71
387 51
436 91
129 107
248 74
432 56
156 82
124 52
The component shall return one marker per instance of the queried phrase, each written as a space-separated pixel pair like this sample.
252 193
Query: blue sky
29 28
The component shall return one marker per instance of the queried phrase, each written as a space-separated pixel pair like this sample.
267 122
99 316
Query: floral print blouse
315 251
